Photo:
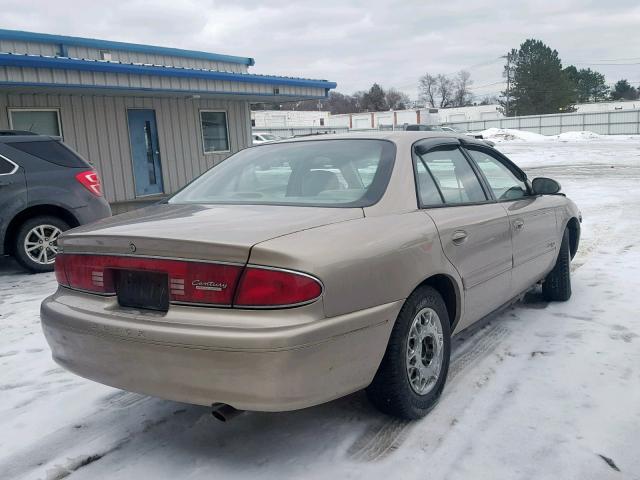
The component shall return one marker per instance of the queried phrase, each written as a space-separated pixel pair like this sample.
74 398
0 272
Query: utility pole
508 57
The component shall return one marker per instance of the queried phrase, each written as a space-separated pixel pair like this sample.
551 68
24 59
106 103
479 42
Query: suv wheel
414 369
36 243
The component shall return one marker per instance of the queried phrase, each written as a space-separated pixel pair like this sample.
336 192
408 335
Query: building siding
96 127
87 79
52 49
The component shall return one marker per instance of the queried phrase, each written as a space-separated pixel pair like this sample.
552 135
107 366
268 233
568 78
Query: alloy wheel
424 351
41 244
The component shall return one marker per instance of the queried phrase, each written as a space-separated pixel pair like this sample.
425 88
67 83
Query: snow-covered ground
544 391
500 135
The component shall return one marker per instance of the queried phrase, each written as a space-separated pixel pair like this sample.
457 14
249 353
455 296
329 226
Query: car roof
396 136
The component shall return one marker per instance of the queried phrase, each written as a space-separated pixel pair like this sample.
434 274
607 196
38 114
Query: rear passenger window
453 176
51 151
6 167
427 190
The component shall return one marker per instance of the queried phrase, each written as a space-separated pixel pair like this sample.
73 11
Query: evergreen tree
589 85
622 90
374 100
538 85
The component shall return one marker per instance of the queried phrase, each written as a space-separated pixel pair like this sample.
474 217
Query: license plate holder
140 289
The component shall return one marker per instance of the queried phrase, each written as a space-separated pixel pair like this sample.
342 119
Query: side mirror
545 186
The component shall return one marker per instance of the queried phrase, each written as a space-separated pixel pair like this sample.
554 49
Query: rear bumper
96 209
280 367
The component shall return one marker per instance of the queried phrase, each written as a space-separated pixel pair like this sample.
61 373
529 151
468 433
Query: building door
145 152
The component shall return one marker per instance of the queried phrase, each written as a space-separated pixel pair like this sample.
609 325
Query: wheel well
574 235
35 211
447 289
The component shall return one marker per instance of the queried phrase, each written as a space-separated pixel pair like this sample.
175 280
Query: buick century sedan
297 272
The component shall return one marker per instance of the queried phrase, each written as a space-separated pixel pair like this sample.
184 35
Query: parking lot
535 391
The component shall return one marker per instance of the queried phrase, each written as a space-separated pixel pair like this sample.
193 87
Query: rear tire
557 285
35 243
398 389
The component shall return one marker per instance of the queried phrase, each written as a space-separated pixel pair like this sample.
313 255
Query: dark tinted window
6 166
52 151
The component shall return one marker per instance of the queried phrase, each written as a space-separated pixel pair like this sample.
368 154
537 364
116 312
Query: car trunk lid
202 232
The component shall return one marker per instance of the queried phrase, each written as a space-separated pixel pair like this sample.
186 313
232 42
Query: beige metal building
149 118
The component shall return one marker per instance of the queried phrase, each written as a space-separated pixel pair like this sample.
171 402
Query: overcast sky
356 43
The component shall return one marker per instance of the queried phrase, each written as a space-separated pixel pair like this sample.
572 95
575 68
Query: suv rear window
51 151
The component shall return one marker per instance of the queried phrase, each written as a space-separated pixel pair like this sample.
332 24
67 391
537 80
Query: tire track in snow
381 439
96 434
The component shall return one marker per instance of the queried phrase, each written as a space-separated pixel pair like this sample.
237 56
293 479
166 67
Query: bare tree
462 95
440 91
397 100
445 89
428 89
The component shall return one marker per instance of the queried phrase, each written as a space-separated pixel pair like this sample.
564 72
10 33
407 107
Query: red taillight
264 287
61 276
90 181
188 282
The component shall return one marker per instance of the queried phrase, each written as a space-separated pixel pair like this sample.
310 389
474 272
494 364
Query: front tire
414 369
557 285
36 243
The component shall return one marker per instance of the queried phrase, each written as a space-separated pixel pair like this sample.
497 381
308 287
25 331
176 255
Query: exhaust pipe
224 412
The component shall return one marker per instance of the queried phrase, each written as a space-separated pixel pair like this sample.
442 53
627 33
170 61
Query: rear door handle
518 224
459 236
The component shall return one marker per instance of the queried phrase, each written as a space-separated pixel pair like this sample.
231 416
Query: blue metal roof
110 45
64 63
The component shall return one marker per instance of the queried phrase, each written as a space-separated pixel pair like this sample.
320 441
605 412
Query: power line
476 65
587 63
617 59
502 82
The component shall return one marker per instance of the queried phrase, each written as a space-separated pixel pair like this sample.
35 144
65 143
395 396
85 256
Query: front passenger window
505 185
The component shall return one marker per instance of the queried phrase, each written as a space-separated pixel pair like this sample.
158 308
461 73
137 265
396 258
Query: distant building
149 118
427 116
288 118
398 118
608 106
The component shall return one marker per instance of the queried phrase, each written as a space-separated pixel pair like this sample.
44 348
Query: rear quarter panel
362 263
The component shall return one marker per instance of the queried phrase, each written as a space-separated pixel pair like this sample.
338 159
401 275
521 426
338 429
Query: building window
215 131
322 122
253 122
45 121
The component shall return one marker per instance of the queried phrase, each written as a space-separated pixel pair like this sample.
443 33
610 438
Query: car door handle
459 236
518 224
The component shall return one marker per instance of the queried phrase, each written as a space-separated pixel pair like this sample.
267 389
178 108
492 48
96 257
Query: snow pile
510 134
573 136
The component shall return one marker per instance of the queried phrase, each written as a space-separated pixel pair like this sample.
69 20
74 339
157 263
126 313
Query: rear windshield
333 173
52 151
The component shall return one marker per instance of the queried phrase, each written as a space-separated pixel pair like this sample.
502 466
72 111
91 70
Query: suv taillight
193 282
90 180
